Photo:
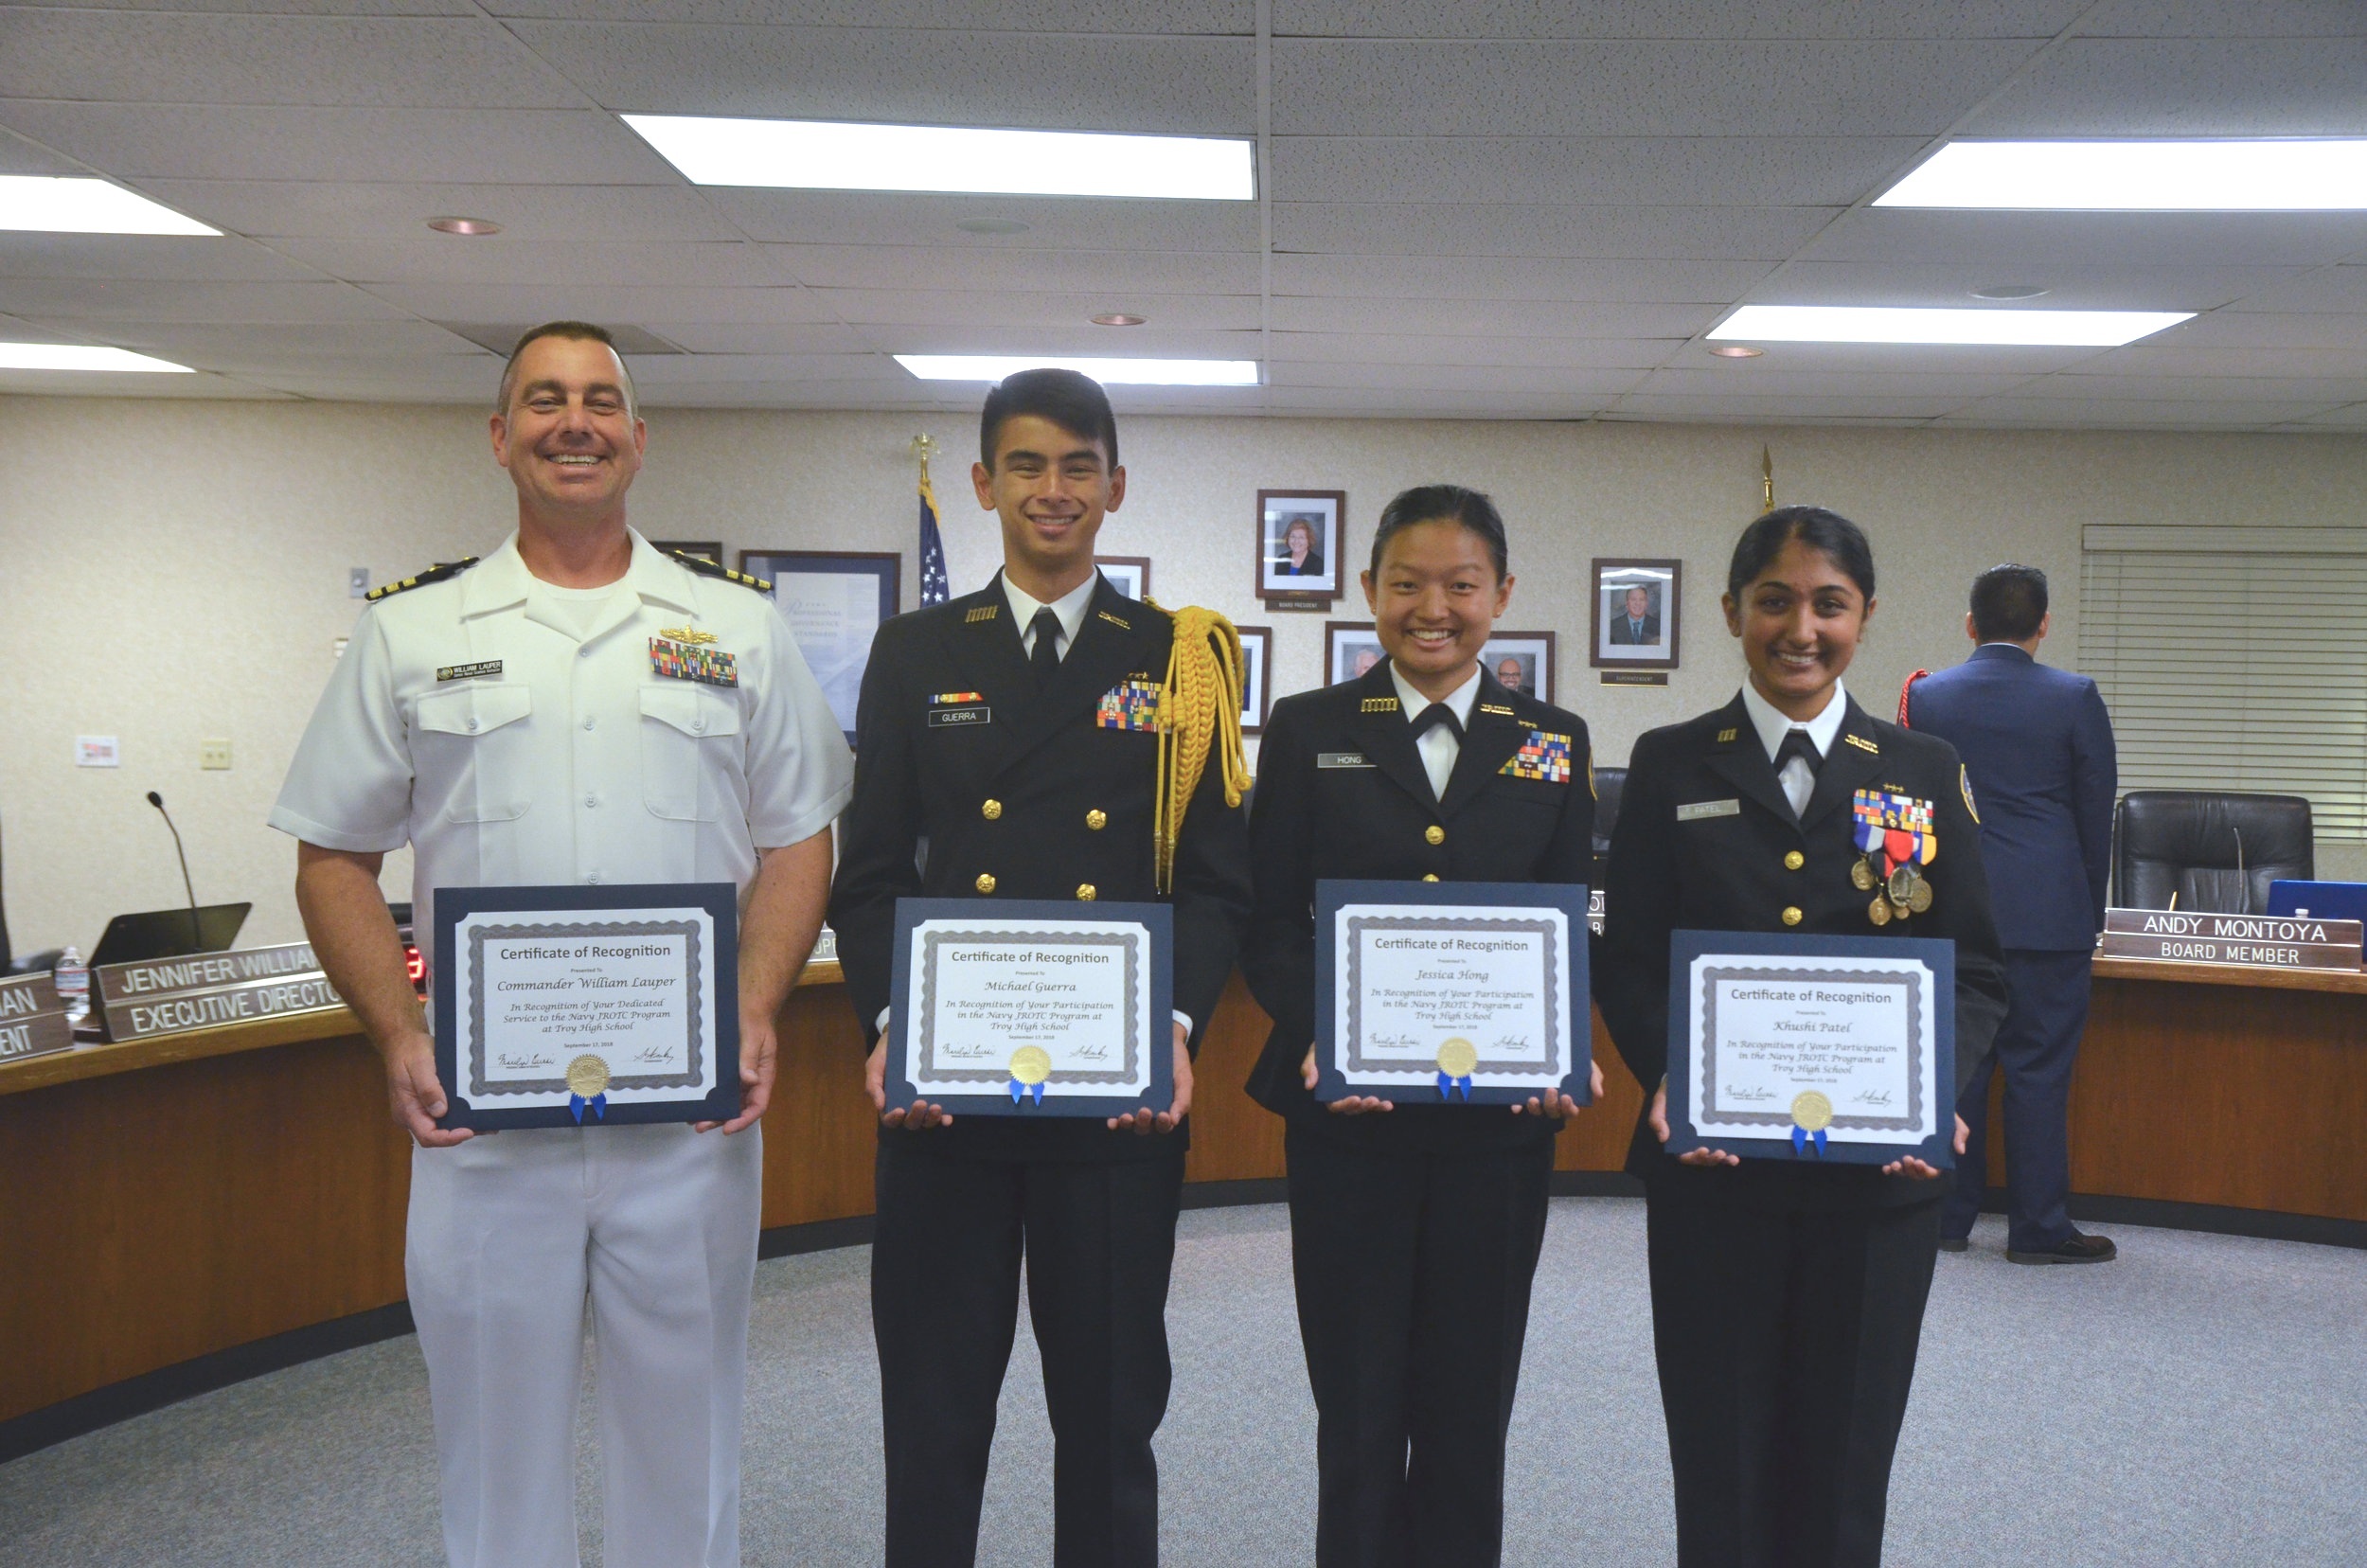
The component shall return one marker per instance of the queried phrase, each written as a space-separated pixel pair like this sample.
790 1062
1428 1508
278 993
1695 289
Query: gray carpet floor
2201 1401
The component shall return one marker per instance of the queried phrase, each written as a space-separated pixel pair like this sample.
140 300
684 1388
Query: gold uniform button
1791 915
1794 860
986 882
1434 833
1097 819
1429 876
1086 892
991 811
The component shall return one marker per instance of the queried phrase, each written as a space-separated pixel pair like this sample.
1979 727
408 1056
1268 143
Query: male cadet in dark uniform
1004 751
2037 745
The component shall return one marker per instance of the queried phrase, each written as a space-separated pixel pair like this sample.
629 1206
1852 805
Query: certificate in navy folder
1032 1007
1839 1049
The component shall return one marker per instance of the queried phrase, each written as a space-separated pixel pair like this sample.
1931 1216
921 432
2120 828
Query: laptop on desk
170 934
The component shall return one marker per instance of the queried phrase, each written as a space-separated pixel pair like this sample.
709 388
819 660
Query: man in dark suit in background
1637 627
2037 745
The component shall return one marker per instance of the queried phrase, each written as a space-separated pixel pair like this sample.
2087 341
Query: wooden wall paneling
820 1130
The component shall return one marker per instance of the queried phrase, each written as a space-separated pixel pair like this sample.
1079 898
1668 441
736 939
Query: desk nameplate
169 995
32 1018
2260 941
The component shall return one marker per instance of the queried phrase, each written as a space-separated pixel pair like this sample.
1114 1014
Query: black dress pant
1099 1240
1413 1273
2037 1048
1786 1345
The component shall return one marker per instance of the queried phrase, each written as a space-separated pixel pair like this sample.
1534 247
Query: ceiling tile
1204 86
1419 403
787 369
2333 289
1071 337
19 156
1054 223
1445 228
2220 389
896 307
273 343
150 257
73 384
1584 172
149 57
296 7
1467 277
326 210
1055 16
597 302
480 372
1115 275
1494 318
1369 347
2144 358
116 299
1897 358
2110 413
1589 386
2223 19
2262 329
1658 87
760 337
2069 287
1777 409
445 259
2093 239
211 142
2353 418
1675 19
1754 378
880 394
2249 87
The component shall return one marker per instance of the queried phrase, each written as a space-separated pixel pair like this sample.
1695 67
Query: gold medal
587 1075
1030 1065
1457 1057
1902 881
1878 911
1919 898
1812 1111
1861 874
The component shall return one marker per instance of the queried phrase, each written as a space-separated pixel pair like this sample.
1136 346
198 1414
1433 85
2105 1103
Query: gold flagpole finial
1767 481
923 445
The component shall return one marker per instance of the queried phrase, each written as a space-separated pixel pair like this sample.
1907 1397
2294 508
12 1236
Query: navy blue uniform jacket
2037 745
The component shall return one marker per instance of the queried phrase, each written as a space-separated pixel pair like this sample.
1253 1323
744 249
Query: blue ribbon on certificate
597 1104
1447 1086
1021 1090
1799 1136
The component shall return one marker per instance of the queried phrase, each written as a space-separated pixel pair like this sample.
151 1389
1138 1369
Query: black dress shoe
1954 1243
2077 1249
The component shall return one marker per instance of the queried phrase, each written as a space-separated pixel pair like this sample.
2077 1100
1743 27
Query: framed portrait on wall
1129 575
1637 612
1256 678
1523 661
1302 540
1350 649
834 601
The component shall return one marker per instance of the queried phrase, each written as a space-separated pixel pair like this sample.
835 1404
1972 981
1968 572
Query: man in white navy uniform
511 721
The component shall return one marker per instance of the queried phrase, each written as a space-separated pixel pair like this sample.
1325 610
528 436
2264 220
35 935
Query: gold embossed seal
1812 1111
1457 1057
587 1075
1030 1065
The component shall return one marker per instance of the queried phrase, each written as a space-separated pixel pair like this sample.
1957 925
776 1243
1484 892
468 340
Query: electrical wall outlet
357 582
213 754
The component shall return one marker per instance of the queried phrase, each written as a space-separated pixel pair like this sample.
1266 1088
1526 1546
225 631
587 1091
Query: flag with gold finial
936 587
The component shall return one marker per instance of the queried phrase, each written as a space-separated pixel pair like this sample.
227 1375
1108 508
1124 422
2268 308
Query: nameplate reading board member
1415 1229
1043 737
575 710
1787 1296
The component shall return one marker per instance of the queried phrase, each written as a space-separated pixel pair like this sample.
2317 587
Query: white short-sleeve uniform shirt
511 742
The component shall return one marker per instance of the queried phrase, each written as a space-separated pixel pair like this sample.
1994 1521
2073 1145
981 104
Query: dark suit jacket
1314 567
1311 822
938 805
2038 744
1621 634
1729 873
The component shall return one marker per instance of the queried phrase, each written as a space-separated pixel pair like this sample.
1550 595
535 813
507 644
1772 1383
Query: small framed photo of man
1523 661
1635 614
1352 648
1300 537
1257 682
1129 575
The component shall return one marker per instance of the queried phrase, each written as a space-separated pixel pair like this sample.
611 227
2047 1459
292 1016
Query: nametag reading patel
1697 810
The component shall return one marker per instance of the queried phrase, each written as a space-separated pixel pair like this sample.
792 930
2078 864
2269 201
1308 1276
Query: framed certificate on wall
834 601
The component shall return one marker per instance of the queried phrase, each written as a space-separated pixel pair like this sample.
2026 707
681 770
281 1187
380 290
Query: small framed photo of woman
1352 647
1257 676
1301 538
1635 614
1523 661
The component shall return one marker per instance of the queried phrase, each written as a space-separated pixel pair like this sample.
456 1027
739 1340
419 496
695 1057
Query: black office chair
1608 782
2215 852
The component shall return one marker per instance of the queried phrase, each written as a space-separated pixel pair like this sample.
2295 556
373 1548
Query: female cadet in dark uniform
1787 1298
1415 1229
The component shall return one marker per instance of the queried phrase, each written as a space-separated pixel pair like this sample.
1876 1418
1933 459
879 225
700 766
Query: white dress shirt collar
1438 745
1772 724
1412 702
1070 607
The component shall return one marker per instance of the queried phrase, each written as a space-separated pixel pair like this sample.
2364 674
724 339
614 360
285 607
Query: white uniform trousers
508 1235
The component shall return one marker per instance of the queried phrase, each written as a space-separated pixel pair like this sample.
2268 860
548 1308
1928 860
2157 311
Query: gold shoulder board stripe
1381 705
1121 625
433 574
1862 744
704 567
981 613
1726 735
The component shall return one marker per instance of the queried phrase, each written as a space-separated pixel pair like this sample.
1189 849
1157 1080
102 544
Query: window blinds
2234 658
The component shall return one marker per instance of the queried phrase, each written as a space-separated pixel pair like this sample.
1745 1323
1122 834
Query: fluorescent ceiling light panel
79 356
1915 324
1109 372
2141 176
65 204
837 155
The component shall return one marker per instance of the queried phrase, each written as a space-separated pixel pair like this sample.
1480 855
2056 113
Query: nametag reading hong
1342 759
1697 809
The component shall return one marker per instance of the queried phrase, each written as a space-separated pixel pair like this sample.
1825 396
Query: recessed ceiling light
65 204
2159 176
79 356
1109 372
991 225
2010 291
1916 324
837 155
1736 351
1118 318
464 225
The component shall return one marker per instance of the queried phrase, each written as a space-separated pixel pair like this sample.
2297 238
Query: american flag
936 587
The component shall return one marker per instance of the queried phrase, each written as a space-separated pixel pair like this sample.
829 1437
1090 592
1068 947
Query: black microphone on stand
186 886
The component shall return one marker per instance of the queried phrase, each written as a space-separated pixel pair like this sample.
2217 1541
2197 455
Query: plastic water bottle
73 981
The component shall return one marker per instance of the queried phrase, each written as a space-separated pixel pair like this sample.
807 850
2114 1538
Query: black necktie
1046 658
1437 713
1796 743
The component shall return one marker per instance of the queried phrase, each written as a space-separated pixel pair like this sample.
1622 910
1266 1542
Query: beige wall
173 571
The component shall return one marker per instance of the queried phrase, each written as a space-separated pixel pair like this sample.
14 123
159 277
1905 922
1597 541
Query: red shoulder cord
1903 690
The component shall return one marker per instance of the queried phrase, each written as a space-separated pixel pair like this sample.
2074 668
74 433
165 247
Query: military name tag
707 666
479 671
947 717
1697 809
1343 759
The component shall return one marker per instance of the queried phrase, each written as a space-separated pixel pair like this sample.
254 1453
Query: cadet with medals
1414 1226
1787 1296
1045 738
